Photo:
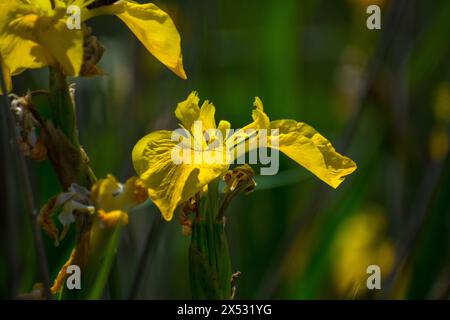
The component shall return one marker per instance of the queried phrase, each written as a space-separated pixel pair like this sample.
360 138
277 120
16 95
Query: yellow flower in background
439 139
35 34
113 200
361 241
170 183
439 143
108 203
442 103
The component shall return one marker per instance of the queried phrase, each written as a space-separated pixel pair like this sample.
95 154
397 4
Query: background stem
150 244
9 130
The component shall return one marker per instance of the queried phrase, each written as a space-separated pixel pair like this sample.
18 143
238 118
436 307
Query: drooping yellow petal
310 149
34 37
62 274
188 110
298 141
157 32
153 27
170 184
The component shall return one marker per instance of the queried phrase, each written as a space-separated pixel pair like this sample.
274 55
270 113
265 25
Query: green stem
61 136
100 261
62 108
114 280
95 255
209 258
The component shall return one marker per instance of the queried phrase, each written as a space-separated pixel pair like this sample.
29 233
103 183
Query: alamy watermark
74 277
73 22
374 280
374 20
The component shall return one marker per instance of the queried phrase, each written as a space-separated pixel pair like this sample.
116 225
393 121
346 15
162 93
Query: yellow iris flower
35 34
113 200
171 183
108 202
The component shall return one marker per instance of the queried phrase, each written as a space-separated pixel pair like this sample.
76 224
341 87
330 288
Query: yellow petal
62 274
108 194
188 110
260 118
224 126
43 4
245 139
63 45
170 184
35 41
103 192
153 27
113 218
207 112
310 149
18 45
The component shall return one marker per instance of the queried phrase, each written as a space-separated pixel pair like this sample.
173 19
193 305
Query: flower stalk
62 108
95 252
95 246
209 257
61 136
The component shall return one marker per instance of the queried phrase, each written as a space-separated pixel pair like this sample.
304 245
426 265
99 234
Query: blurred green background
381 96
